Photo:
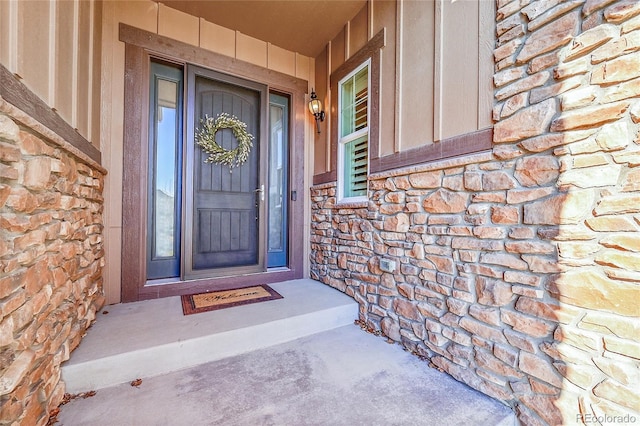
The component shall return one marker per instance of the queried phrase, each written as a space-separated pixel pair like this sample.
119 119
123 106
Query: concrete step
150 338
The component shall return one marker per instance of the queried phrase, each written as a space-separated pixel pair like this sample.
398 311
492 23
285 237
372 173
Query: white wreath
205 137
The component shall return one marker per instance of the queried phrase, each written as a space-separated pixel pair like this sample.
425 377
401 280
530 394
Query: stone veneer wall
51 259
519 269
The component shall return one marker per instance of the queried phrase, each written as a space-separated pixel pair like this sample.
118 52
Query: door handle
261 191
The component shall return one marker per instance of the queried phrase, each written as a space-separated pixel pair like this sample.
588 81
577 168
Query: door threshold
177 280
166 287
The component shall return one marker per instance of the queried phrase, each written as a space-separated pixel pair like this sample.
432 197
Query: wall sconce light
315 106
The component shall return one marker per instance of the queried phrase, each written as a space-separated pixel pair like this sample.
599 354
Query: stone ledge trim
326 185
351 205
49 135
436 165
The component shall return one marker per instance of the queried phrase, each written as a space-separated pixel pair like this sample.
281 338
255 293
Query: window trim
343 140
371 51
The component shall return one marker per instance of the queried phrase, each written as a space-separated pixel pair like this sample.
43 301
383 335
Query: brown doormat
203 302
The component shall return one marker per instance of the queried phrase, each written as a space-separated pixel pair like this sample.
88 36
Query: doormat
203 302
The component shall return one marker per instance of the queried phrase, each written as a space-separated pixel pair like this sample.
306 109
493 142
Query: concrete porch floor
145 339
337 376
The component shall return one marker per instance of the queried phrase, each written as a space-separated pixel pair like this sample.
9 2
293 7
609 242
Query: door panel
225 198
225 230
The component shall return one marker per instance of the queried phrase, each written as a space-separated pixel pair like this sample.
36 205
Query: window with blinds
354 133
355 171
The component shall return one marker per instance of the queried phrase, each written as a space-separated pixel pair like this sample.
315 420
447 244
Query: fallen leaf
136 382
53 417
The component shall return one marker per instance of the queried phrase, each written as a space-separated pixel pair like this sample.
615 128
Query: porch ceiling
303 26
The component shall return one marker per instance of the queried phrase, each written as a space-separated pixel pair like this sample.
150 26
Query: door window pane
278 180
165 168
164 199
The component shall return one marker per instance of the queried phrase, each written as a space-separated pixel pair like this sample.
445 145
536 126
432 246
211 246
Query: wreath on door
205 137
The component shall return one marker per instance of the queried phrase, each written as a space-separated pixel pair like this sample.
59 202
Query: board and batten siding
420 103
54 49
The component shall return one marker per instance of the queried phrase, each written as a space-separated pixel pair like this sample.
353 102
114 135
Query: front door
225 224
202 226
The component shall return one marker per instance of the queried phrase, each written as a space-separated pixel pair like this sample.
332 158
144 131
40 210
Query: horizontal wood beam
174 49
468 143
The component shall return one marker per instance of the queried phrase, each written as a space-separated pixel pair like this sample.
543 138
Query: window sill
359 203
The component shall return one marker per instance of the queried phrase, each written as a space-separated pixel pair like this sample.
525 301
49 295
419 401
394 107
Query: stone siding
518 270
51 260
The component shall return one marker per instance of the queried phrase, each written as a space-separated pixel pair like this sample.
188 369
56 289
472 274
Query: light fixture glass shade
315 106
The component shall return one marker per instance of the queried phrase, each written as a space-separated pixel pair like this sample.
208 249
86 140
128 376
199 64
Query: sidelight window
165 159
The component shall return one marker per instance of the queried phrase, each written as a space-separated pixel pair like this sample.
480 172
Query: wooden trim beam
469 143
326 177
167 47
135 166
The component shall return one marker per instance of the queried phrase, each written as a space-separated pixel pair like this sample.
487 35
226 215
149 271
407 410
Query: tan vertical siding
384 16
8 33
65 58
281 60
420 104
84 68
338 50
144 15
303 68
140 14
416 74
33 46
51 46
457 81
251 49
178 25
358 31
96 71
320 158
217 39
486 44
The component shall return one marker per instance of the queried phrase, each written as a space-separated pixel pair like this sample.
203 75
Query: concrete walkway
343 376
